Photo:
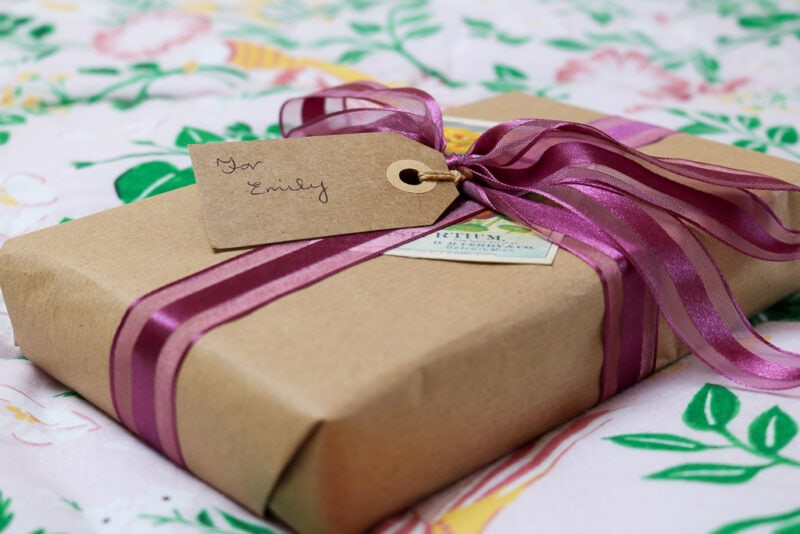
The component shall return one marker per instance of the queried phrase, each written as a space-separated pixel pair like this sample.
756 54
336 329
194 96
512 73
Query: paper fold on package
350 399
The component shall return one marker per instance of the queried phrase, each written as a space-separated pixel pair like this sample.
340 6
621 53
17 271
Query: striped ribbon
159 328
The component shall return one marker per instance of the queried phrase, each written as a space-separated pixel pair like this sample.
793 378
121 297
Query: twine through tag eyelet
416 177
405 174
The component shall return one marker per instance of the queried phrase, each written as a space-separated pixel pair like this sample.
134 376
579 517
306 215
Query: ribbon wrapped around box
347 399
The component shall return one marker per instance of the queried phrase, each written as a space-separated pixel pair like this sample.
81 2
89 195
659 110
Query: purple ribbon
625 213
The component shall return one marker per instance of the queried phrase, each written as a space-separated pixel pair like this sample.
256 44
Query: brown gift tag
256 192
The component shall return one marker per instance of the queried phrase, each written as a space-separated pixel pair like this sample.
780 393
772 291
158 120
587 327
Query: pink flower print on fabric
25 203
610 67
726 88
149 35
25 420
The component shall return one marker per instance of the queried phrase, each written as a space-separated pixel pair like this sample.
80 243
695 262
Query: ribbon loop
365 107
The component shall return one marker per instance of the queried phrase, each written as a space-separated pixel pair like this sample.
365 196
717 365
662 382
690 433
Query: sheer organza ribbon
625 213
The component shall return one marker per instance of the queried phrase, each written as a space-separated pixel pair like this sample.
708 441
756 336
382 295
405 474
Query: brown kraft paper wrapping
349 400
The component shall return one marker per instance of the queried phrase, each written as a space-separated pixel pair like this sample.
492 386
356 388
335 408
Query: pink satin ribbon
622 212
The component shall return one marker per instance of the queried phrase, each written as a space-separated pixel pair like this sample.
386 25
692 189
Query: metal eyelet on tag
404 175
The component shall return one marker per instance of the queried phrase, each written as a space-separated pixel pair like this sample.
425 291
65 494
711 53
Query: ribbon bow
625 213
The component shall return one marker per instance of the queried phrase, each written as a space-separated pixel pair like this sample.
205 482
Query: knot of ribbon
627 214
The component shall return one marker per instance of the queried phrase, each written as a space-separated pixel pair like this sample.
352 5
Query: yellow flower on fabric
459 139
21 415
6 199
28 421
58 77
253 9
190 66
60 6
27 75
31 102
7 96
198 6
26 201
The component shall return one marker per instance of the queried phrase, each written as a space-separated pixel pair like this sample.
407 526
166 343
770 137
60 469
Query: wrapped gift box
354 397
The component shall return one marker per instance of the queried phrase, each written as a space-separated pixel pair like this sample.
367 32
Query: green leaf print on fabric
291 11
783 523
713 473
661 442
750 144
244 526
669 59
6 516
486 29
189 136
69 393
508 78
240 131
726 8
143 79
123 88
571 45
768 21
770 27
712 409
72 504
602 12
751 132
204 518
699 128
204 522
154 176
404 23
787 309
256 32
101 71
124 9
151 178
27 37
782 135
771 431
363 28
11 119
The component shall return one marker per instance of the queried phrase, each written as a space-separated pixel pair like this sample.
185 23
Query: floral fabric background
99 100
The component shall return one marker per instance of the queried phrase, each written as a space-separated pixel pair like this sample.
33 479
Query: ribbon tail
676 268
690 290
630 324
